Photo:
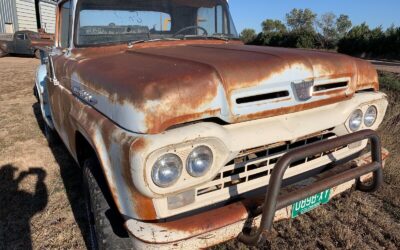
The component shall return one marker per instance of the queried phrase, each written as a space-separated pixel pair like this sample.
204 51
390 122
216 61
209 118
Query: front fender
111 144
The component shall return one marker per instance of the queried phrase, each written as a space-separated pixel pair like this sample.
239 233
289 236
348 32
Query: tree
328 33
248 35
273 33
270 26
300 20
343 25
356 41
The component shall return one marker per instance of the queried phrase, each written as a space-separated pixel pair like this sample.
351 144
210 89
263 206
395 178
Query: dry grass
39 186
41 206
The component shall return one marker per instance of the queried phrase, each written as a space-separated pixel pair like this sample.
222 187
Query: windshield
118 21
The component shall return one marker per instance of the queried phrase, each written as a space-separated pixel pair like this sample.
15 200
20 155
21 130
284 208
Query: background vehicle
24 43
179 127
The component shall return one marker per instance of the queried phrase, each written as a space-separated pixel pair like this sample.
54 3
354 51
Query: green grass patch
390 81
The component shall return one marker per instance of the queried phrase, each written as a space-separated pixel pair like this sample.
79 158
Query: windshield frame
76 18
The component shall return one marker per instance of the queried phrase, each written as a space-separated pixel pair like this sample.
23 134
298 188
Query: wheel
105 224
52 137
37 54
2 53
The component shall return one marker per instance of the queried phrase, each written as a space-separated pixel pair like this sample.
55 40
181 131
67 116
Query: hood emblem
303 90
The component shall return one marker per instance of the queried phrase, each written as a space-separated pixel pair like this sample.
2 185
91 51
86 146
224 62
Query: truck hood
152 89
41 43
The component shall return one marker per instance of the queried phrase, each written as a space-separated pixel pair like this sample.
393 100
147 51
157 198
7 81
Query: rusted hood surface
148 90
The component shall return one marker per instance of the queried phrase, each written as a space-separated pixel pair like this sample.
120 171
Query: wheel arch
84 149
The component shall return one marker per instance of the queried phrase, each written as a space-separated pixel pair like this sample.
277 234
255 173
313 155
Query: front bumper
224 223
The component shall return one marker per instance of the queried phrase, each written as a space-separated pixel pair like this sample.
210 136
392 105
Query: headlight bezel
221 156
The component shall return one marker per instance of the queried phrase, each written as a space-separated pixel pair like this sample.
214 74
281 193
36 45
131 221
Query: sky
250 13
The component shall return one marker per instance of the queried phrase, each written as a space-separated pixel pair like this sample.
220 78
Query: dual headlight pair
358 117
168 168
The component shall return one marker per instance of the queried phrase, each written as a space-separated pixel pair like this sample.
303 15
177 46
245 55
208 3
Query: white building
32 15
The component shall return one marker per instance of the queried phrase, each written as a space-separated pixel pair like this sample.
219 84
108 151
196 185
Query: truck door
58 81
22 44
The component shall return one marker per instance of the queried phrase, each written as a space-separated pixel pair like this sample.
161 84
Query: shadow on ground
71 176
17 206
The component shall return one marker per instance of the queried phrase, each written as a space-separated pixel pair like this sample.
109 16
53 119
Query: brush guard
273 201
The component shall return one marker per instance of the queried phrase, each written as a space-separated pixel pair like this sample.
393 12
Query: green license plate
310 203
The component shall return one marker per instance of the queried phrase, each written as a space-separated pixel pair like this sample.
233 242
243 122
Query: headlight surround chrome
166 170
199 161
356 120
370 116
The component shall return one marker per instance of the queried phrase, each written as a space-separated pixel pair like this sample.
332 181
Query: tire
37 54
102 231
52 137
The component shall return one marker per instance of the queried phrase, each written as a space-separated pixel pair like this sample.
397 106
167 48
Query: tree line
305 29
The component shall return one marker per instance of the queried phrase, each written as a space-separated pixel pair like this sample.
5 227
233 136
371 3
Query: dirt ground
40 189
390 66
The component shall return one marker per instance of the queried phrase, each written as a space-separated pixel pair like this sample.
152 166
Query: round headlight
370 116
167 170
199 161
356 120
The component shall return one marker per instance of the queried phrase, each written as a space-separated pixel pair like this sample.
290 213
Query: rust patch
367 76
210 220
163 122
144 207
139 145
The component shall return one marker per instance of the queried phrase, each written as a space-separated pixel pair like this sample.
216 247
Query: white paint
48 17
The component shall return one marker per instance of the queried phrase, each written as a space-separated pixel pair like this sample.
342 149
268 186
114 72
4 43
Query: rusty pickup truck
24 43
191 137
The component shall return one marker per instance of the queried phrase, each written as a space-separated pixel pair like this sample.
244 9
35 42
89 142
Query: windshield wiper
222 38
130 44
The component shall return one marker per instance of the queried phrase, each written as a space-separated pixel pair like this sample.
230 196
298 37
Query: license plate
310 203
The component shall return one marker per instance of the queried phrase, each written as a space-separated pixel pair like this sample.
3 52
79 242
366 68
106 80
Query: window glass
119 21
206 19
214 20
65 25
107 26
220 24
21 36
